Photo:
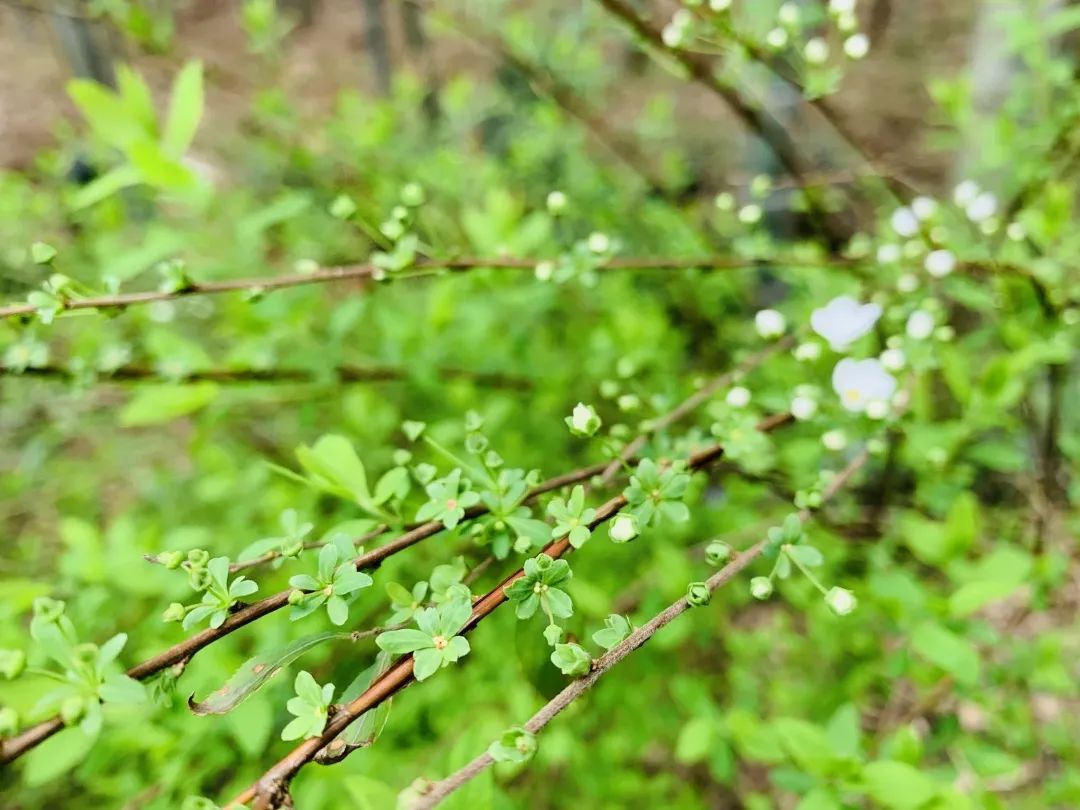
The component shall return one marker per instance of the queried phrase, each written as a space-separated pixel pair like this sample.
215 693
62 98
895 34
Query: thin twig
436 792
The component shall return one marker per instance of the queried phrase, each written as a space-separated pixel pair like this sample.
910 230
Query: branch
338 374
438 791
272 788
352 272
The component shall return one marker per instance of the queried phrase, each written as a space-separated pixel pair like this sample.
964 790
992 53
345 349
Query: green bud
48 610
73 709
296 596
761 587
413 195
292 547
553 634
717 552
698 594
42 252
171 559
198 557
175 612
12 663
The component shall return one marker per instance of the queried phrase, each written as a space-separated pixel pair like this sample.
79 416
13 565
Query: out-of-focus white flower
808 351
841 601
923 207
846 23
725 201
770 323
835 440
939 263
599 242
857 46
841 6
920 325
738 397
909 282
803 408
675 31
777 38
877 409
556 202
982 207
1016 232
844 320
858 382
719 5
788 15
965 193
750 214
904 222
544 270
816 51
893 359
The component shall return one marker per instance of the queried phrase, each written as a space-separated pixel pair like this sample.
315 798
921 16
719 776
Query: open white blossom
841 601
939 263
844 320
770 323
859 382
904 222
920 325
923 207
982 207
857 46
738 397
965 193
803 408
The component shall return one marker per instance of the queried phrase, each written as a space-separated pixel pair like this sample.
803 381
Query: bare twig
437 791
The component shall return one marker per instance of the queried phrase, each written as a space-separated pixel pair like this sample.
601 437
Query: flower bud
717 552
413 195
296 596
12 663
761 587
584 420
698 594
841 601
73 709
171 559
623 528
175 612
770 323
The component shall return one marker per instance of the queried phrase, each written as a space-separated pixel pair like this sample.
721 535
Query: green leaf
160 170
137 99
185 110
898 785
336 467
363 731
156 404
42 253
108 116
122 689
105 186
952 653
56 756
695 739
403 641
255 672
805 743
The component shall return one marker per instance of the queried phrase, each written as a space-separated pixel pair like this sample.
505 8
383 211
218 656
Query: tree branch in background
440 790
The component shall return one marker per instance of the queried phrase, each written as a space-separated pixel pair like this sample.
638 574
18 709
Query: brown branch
12 748
437 791
272 788
338 374
354 272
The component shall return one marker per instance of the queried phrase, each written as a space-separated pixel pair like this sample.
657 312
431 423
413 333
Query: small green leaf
898 785
42 252
947 650
156 404
185 110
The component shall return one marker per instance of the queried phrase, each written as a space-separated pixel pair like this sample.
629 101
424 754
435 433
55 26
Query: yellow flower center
439 642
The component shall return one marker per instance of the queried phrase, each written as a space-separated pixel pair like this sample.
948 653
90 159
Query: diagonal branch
437 791
272 788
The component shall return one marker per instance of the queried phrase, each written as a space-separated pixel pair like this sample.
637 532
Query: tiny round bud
544 270
624 528
907 283
770 323
834 440
599 242
738 397
856 47
175 612
12 663
761 587
877 409
808 351
750 214
171 559
893 359
413 195
73 709
803 408
698 594
816 51
920 325
556 203
296 596
841 601
939 263
717 552
777 39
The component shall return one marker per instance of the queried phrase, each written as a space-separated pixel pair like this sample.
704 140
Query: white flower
835 440
808 351
920 325
904 222
923 207
750 214
777 38
623 528
584 420
965 193
856 46
1016 232
770 323
841 6
719 5
841 601
877 409
859 382
816 51
893 359
844 320
803 408
939 263
556 202
846 23
599 242
982 207
887 254
738 397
